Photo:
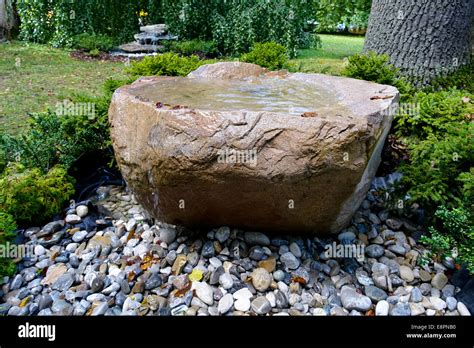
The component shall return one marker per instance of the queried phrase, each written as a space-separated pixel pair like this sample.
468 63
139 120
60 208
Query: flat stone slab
154 28
135 47
234 144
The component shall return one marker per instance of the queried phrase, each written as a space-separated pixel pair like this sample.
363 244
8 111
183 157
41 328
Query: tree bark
8 18
424 38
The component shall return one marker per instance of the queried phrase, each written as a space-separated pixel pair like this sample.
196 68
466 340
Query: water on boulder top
272 94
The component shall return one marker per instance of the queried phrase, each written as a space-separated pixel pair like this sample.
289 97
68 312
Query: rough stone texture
323 164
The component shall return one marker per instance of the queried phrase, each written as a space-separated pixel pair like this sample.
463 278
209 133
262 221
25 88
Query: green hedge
233 24
200 48
236 24
58 21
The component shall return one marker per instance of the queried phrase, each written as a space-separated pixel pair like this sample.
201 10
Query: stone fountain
234 144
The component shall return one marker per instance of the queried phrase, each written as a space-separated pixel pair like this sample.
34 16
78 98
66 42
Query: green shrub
373 67
29 195
3 160
236 24
309 40
466 179
200 48
93 43
169 64
438 168
453 237
463 79
269 55
435 112
53 138
7 234
110 85
7 227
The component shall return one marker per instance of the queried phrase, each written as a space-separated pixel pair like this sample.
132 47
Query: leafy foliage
169 64
200 48
93 42
440 168
7 234
233 24
7 227
58 21
269 55
453 237
373 67
53 139
462 79
29 195
435 113
352 13
236 24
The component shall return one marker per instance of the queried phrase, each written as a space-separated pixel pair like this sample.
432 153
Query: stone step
154 28
135 47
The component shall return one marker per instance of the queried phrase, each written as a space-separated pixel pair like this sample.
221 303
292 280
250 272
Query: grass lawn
43 77
328 59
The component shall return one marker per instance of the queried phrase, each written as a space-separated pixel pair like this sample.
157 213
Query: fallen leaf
131 276
24 302
131 234
176 107
377 97
183 291
309 114
298 280
195 276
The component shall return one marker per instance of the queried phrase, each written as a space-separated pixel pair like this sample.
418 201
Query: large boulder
234 144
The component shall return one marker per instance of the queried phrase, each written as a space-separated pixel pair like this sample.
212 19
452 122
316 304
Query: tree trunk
424 38
8 19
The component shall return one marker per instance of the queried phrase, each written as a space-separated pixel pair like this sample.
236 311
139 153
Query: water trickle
271 94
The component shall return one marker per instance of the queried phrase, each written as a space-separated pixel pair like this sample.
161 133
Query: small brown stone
268 264
139 287
217 247
178 264
74 230
101 241
364 239
261 279
53 273
425 276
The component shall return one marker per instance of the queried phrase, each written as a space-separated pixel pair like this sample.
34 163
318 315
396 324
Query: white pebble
82 210
382 308
462 309
39 250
